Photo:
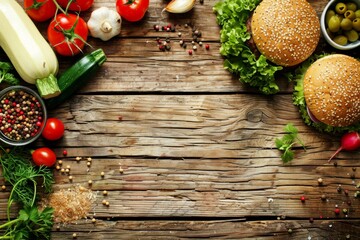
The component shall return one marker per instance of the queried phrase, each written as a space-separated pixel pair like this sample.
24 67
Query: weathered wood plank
217 229
186 126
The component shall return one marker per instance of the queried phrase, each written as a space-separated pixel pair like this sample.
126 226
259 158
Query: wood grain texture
196 147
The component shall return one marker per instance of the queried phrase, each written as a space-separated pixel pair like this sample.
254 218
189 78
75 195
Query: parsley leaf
286 143
6 75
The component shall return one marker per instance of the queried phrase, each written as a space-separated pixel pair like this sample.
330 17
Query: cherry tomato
67 34
40 10
54 129
76 5
132 10
44 156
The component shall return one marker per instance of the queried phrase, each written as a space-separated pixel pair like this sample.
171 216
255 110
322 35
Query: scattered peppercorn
190 52
121 170
65 153
60 162
105 193
195 48
346 192
354 169
104 202
302 198
74 235
207 46
311 220
21 115
88 164
93 220
90 182
323 197
337 211
345 211
335 164
102 174
3 187
70 178
339 189
320 181
290 231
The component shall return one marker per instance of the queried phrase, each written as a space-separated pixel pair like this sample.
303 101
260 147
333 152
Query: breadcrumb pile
70 204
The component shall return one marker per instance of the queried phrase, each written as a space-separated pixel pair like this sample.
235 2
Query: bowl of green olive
340 24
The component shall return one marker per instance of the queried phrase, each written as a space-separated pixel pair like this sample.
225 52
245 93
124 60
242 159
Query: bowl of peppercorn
22 116
340 24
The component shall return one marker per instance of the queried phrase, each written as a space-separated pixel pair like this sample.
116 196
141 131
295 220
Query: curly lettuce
299 100
239 59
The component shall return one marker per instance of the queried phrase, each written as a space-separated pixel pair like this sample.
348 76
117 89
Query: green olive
357 13
350 14
351 6
346 24
329 14
341 40
329 33
340 8
356 24
334 24
352 35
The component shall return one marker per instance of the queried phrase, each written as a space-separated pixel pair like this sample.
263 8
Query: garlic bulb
104 23
179 6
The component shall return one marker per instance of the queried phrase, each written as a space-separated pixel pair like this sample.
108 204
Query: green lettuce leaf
299 100
239 60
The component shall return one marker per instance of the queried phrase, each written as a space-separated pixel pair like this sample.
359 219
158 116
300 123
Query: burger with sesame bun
327 92
286 32
261 38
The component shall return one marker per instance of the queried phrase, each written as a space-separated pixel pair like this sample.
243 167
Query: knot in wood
254 115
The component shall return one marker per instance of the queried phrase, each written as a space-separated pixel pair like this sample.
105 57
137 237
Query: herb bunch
18 170
286 143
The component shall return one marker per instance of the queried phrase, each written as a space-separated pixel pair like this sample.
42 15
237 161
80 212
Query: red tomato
76 5
54 129
67 34
40 10
132 10
44 156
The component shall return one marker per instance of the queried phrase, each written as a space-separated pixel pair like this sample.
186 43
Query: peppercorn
339 189
346 192
335 164
302 198
105 193
345 211
207 46
162 48
60 162
65 153
102 174
22 115
323 197
93 220
190 52
3 187
90 182
195 48
290 231
184 45
156 27
337 211
320 181
74 235
311 220
167 47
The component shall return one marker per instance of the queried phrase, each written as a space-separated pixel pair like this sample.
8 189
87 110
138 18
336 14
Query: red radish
349 142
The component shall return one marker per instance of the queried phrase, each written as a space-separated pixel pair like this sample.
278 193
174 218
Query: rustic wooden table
188 151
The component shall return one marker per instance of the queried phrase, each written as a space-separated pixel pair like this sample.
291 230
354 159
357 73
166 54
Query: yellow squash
27 49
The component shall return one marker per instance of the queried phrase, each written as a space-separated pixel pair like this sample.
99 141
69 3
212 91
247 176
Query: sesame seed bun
286 32
332 90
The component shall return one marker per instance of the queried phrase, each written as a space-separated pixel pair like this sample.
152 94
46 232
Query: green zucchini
76 76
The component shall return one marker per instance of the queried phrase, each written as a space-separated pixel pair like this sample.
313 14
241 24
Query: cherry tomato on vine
76 5
44 157
53 130
132 10
67 34
40 10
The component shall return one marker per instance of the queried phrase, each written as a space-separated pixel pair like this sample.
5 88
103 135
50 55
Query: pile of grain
70 204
